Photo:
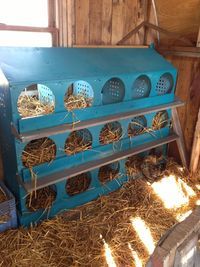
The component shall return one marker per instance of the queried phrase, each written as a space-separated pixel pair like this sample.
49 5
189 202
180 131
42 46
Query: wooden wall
106 21
100 22
188 90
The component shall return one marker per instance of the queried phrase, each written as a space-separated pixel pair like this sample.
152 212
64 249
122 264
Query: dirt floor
120 229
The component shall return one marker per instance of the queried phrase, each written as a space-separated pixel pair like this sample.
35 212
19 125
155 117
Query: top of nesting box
21 65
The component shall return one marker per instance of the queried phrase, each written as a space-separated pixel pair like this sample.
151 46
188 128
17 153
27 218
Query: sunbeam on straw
173 191
143 233
137 261
108 254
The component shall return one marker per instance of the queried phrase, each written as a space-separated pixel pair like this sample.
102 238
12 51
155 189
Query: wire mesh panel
113 91
165 84
141 87
79 95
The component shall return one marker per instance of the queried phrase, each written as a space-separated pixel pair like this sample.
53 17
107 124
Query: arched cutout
41 199
78 141
137 126
36 100
113 91
160 120
108 172
141 87
79 95
78 184
38 151
111 132
165 84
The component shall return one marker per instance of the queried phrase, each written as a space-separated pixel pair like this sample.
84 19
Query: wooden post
196 147
180 142
198 39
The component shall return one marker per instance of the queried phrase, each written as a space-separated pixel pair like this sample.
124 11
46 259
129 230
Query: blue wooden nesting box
125 88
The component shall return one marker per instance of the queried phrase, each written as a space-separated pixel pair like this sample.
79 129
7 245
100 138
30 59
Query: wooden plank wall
104 22
188 89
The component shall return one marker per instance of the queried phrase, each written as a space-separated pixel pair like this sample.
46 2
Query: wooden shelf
68 173
26 137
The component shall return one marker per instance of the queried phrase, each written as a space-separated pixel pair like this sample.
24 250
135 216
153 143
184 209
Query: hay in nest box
73 102
133 165
31 106
76 143
78 184
38 151
136 128
160 120
41 199
76 238
110 134
107 173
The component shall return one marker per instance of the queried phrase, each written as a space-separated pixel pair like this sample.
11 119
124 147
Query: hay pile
74 238
77 142
31 106
73 102
38 151
110 133
41 199
78 184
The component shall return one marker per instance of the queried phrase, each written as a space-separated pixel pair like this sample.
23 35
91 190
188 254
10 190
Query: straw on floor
31 106
77 238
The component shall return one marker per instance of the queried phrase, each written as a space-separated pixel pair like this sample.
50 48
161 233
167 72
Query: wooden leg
180 140
195 156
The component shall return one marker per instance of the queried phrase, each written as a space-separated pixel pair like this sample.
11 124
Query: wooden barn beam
195 156
179 51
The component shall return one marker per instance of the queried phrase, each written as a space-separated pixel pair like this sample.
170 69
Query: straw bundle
38 151
77 102
160 120
77 142
41 199
78 184
75 238
110 133
108 173
31 106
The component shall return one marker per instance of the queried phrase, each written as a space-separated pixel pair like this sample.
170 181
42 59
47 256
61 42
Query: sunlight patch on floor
108 254
137 261
173 191
143 233
198 186
198 202
182 216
